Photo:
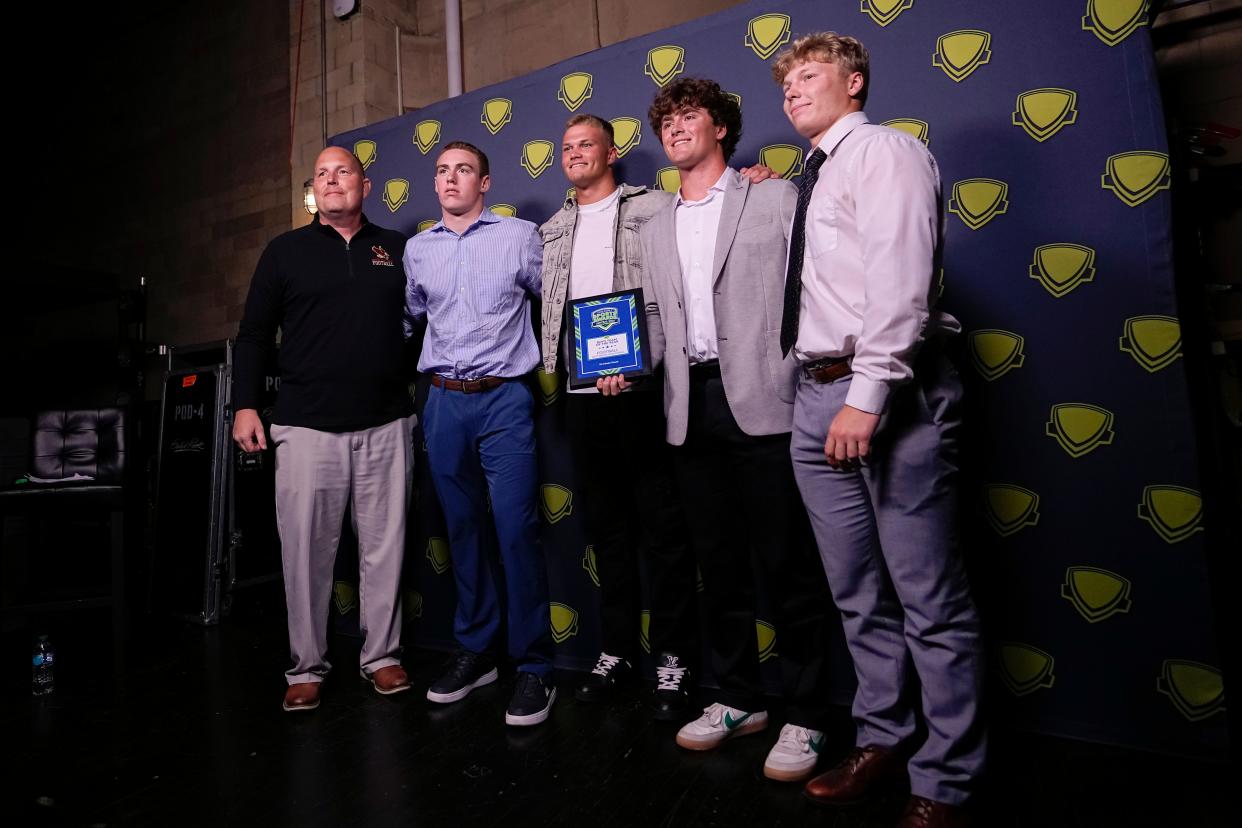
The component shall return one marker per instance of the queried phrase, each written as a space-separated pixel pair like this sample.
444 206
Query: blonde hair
845 52
593 121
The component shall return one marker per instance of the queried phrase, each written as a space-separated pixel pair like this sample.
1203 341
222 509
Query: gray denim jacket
636 207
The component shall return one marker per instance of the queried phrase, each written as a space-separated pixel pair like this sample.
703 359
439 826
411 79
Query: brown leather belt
827 369
474 386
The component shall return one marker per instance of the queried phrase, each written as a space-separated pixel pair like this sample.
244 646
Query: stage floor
191 733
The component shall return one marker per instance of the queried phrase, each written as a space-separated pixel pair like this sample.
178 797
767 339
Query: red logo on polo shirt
381 256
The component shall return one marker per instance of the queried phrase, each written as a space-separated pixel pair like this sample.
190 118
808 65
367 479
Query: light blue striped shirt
473 291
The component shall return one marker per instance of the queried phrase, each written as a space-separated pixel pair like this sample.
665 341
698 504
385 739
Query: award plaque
609 337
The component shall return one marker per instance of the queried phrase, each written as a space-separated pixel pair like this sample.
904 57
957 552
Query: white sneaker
718 723
794 755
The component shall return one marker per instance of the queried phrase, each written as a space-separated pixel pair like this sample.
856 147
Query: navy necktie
797 246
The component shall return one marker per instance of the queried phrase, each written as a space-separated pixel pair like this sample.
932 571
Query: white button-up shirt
872 232
697 223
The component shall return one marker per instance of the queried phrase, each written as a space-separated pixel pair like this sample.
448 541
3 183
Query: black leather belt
828 369
474 386
705 370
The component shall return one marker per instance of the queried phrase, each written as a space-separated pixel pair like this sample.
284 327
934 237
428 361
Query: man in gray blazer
713 283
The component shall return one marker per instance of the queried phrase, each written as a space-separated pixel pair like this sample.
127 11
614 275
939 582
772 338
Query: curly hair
699 92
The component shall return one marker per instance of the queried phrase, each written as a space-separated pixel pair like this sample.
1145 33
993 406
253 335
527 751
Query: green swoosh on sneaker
730 722
816 744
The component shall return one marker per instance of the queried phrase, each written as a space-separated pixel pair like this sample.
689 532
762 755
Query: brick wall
174 132
501 39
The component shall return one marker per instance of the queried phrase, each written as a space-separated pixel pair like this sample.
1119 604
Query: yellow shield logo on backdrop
1009 508
766 634
737 99
1042 112
536 157
549 387
996 352
438 555
910 126
644 630
976 201
1135 177
425 224
962 52
1174 512
426 135
344 597
412 605
665 63
572 192
767 33
668 180
1025 669
940 283
396 193
1062 267
496 113
588 563
1196 690
627 132
555 502
1112 21
366 152
1096 593
504 210
1080 428
784 159
884 12
564 622
575 89
1154 341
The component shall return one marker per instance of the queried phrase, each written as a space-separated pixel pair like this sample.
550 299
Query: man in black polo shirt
342 422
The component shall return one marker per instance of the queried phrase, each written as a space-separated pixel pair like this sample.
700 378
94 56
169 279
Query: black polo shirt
339 306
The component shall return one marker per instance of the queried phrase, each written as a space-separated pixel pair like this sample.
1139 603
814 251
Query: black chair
90 443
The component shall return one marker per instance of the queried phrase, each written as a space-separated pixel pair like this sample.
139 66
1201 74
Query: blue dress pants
482 445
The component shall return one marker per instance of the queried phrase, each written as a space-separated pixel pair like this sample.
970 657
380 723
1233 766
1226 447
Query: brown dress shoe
389 680
927 813
856 776
301 697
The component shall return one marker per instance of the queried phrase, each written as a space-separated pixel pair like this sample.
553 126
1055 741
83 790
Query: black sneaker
672 693
601 681
532 700
468 671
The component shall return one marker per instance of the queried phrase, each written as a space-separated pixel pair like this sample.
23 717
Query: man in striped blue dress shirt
471 277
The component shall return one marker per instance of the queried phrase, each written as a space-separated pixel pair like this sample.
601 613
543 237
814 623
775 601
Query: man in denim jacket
591 247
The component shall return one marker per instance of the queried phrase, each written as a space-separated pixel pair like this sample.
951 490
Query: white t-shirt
591 269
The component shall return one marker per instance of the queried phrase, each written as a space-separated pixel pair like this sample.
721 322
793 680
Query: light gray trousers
317 474
887 535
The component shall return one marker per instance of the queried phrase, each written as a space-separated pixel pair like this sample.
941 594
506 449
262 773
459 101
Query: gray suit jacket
749 269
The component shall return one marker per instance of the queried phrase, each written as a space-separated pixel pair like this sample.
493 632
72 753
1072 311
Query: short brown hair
845 52
699 92
595 121
484 167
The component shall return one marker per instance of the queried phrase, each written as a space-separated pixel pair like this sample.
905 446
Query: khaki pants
317 474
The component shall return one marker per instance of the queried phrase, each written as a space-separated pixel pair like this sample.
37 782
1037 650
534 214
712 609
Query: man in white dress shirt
875 438
713 280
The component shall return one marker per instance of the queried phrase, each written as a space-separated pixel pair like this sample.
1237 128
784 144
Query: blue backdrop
1085 531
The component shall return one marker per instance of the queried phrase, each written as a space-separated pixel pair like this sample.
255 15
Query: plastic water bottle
42 665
